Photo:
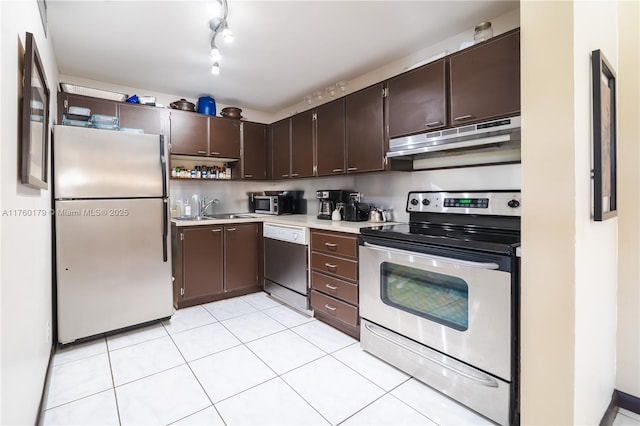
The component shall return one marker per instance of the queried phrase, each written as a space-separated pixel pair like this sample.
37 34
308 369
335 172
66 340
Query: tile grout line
113 382
197 380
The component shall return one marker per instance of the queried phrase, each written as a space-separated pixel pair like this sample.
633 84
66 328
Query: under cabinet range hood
476 135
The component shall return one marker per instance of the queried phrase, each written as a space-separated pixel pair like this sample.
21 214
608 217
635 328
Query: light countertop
310 221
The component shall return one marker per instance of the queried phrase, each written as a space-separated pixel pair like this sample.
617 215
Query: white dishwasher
286 272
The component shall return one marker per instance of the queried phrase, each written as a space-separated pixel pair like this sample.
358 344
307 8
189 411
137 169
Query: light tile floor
242 361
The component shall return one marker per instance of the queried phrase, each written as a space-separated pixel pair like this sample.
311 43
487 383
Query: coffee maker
328 200
354 209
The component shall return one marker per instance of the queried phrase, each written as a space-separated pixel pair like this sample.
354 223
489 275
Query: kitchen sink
230 216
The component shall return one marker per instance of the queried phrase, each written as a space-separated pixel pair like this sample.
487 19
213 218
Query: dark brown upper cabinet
224 137
330 138
302 144
485 80
96 105
417 100
150 119
281 149
365 130
254 150
189 133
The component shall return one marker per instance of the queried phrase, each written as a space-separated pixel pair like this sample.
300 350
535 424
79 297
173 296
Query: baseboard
628 402
619 400
45 387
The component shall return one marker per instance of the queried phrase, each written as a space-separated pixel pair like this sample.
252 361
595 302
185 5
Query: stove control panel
499 203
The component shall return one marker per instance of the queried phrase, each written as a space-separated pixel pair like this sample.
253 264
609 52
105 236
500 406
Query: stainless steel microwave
272 204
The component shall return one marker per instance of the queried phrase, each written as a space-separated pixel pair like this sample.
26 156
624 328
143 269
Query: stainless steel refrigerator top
111 230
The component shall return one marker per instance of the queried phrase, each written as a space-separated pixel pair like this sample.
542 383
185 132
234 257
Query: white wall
628 337
25 254
570 263
596 261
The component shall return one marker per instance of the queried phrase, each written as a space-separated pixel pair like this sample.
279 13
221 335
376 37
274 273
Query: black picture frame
34 152
605 194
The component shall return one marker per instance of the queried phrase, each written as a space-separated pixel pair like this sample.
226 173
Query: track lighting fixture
219 25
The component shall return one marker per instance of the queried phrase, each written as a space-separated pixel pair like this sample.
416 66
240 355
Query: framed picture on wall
604 138
34 152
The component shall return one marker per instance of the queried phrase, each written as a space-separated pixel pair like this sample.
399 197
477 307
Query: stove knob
426 202
513 204
414 202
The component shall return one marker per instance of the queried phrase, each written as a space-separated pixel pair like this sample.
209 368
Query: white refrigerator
112 240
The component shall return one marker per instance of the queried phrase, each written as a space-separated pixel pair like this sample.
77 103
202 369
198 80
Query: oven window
437 297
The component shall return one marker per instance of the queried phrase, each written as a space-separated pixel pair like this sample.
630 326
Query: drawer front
344 268
334 307
335 287
334 244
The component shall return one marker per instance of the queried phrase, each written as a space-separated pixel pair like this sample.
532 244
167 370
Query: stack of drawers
334 280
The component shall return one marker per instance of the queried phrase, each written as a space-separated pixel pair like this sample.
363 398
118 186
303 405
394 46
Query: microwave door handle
467 263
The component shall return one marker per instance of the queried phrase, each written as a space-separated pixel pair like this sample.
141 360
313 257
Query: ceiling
283 50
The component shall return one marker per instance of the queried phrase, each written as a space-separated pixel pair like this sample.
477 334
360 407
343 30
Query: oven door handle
480 378
467 263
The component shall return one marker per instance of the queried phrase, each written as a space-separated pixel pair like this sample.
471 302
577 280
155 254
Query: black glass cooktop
470 237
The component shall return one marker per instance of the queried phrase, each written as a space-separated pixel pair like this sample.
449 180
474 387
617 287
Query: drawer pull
434 123
231 229
329 307
463 117
214 153
285 175
331 246
248 176
202 152
331 287
352 169
336 170
330 265
216 230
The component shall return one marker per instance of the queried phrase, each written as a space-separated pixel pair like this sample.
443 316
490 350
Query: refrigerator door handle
165 232
163 166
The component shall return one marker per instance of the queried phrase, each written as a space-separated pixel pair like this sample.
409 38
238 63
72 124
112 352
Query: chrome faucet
204 205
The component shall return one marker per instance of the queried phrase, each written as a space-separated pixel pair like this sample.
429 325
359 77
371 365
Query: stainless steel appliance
354 210
112 242
439 296
501 131
286 273
328 200
276 203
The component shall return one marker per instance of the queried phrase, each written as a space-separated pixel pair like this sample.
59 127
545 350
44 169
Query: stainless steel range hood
472 136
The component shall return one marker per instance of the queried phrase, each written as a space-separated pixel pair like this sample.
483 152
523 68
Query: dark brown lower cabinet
334 280
215 262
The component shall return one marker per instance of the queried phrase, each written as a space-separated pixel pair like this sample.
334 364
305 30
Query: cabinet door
302 144
202 261
254 150
280 149
146 118
485 80
365 130
416 100
240 256
189 133
224 137
330 138
96 105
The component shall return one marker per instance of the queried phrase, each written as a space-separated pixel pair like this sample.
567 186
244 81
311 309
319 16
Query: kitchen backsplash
387 190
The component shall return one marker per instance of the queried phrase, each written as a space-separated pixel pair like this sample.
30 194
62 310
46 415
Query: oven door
460 307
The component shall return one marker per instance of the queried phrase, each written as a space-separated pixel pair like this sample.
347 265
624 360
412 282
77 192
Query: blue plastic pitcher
207 105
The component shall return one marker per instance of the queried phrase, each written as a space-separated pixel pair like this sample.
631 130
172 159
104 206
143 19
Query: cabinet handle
216 230
434 123
330 265
214 153
329 307
331 287
231 229
295 174
463 117
336 170
285 175
331 245
350 169
202 152
248 176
